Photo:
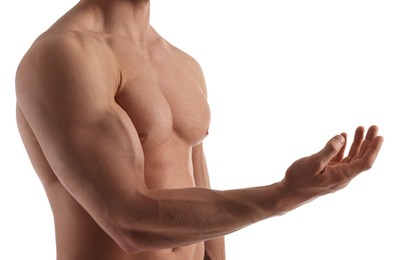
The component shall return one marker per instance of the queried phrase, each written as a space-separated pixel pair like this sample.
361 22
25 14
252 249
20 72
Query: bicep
86 137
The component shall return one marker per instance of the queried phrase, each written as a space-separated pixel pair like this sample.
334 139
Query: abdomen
169 166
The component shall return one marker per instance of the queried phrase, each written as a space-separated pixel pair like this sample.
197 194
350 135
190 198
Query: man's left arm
214 249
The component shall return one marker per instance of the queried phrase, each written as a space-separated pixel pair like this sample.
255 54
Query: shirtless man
113 117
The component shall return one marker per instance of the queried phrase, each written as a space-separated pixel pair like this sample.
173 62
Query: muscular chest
164 95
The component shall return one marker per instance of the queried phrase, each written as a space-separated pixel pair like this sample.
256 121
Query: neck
125 18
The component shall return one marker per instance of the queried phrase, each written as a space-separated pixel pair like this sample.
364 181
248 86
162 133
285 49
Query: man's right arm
66 93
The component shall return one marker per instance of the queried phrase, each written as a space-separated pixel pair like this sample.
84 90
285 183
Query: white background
283 77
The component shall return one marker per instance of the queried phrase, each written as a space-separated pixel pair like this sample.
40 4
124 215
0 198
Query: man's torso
162 91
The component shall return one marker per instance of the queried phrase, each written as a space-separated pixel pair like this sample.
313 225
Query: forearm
169 218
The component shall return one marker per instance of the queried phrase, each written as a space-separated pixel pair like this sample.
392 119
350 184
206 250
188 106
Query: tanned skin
113 118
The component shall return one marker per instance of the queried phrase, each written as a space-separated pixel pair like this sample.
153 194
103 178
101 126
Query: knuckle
317 165
317 160
334 148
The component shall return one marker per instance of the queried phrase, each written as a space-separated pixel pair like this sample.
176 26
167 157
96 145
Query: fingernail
340 139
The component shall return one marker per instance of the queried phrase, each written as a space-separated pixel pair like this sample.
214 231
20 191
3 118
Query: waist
172 176
169 167
190 252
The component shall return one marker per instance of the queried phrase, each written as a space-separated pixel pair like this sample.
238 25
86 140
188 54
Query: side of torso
161 90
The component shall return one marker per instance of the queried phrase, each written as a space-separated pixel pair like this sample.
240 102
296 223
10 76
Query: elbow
132 242
132 232
130 248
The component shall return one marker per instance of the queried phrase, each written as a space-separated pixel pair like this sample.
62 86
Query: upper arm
66 95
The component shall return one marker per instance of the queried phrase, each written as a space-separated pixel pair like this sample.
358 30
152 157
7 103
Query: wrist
290 198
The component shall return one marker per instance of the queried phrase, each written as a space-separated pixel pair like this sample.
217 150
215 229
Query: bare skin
113 118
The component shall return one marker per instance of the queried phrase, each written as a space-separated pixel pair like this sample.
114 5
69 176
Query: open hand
328 170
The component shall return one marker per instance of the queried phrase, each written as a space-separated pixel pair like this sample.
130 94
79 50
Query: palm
328 170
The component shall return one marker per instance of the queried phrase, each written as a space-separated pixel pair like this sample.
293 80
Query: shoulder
190 64
187 58
65 57
68 46
64 77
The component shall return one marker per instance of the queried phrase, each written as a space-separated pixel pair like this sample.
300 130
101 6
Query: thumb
331 150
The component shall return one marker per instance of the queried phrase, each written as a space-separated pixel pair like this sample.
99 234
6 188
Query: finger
356 144
330 151
340 155
372 132
366 161
370 135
